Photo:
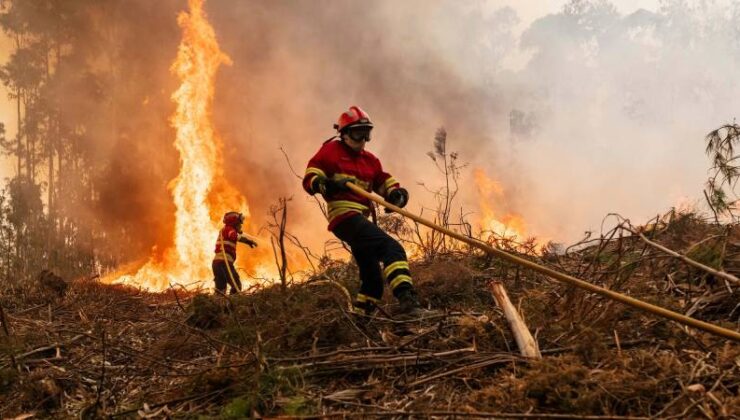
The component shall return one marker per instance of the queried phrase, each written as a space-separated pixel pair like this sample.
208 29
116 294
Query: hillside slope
82 349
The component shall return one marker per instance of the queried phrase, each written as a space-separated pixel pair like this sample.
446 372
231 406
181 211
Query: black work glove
248 241
398 197
330 187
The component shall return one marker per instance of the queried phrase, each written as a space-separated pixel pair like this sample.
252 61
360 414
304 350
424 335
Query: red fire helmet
233 218
354 117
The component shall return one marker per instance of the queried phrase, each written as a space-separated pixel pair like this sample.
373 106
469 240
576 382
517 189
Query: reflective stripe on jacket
336 160
230 237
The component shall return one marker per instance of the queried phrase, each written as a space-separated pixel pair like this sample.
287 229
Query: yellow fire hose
627 300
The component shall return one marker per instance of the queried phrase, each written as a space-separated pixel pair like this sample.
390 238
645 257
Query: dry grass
90 350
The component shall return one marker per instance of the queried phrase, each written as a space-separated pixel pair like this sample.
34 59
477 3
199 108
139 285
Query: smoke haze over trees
81 91
583 112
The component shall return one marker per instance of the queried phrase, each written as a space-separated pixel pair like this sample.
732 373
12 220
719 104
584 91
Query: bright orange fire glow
200 192
491 197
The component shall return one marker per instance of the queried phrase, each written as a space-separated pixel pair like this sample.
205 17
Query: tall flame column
196 65
198 60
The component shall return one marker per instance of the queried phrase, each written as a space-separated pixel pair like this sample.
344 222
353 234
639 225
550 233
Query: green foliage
276 384
268 391
54 76
237 408
709 254
297 406
720 188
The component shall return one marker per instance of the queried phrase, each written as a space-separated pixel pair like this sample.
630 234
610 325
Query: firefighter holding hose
224 272
343 159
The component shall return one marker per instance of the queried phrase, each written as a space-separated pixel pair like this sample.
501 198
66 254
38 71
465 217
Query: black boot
409 304
363 308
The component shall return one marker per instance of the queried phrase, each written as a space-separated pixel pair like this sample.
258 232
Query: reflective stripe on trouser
221 276
371 246
365 304
361 298
397 273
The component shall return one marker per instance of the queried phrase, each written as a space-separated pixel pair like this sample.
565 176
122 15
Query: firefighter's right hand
330 187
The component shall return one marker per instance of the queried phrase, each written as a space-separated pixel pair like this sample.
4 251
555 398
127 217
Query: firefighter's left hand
398 197
248 241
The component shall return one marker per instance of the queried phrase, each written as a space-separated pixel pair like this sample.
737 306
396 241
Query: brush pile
87 350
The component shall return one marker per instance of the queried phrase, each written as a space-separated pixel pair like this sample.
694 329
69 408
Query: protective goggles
360 132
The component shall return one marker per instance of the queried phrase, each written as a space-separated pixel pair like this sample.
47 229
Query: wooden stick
716 273
477 365
380 359
50 347
619 297
527 344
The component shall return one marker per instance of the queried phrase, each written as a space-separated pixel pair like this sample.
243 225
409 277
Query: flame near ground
200 192
494 218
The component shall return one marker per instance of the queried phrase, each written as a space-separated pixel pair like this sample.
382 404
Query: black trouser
222 279
371 246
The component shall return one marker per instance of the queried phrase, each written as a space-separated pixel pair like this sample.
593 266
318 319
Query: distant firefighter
343 159
224 272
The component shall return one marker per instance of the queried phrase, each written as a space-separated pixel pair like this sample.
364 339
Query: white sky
531 10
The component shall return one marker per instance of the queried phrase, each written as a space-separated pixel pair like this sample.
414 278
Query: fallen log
524 340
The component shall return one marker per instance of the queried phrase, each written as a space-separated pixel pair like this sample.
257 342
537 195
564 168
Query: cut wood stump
524 340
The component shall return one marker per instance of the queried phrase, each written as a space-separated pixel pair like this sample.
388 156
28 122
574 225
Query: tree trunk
18 130
29 156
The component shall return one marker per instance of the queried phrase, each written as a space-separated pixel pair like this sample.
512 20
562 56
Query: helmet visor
359 132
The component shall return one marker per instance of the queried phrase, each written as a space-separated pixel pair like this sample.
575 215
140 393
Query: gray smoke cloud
587 111
578 113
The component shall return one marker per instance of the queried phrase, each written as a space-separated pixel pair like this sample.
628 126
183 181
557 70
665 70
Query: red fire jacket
229 237
336 160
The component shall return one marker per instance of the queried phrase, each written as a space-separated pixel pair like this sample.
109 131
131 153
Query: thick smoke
622 104
297 65
606 112
580 113
133 142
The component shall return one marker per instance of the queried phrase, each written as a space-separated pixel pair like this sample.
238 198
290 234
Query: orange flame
490 194
200 192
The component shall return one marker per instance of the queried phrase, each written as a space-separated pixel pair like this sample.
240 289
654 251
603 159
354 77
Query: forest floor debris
90 350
